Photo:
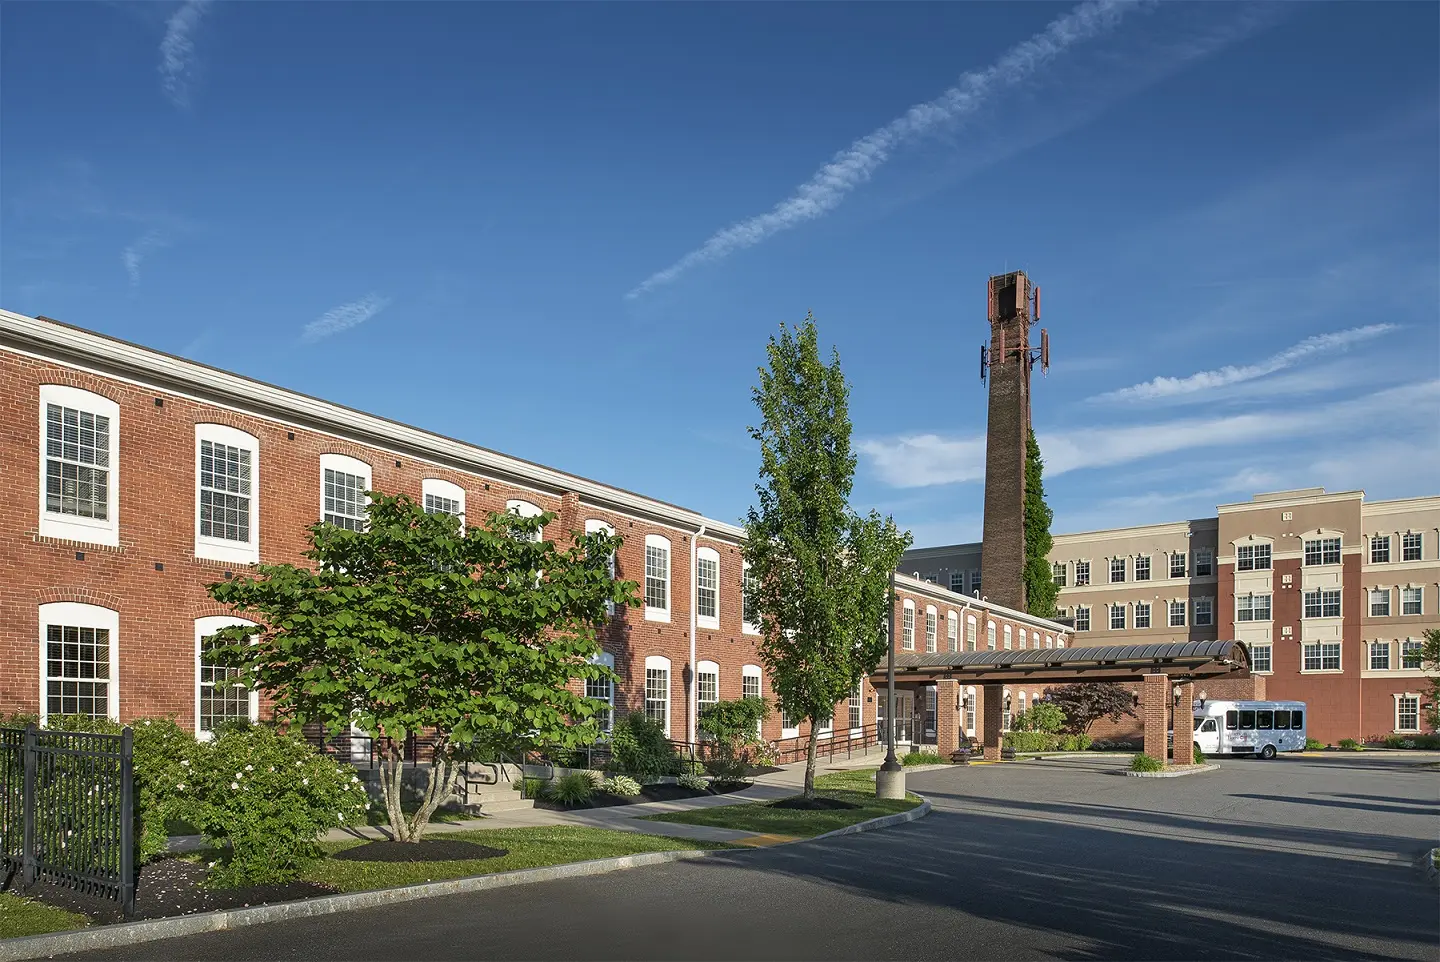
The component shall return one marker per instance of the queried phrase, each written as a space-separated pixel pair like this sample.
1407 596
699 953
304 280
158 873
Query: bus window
1232 718
1297 720
1282 720
1265 719
1209 725
1247 719
1197 723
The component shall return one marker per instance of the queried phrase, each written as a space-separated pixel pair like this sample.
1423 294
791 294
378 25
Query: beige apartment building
1330 592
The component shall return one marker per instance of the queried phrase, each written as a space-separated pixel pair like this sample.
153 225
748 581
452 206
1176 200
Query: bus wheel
1268 752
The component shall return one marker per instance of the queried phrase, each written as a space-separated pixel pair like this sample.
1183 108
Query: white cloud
139 249
928 459
344 317
177 51
1166 387
854 165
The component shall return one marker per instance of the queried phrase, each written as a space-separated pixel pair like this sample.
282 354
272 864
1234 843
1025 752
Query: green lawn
528 848
20 916
856 787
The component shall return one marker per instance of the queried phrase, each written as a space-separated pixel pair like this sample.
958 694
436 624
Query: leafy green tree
820 571
1430 662
734 726
420 624
1040 588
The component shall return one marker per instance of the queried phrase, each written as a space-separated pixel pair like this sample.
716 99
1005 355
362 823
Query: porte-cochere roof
1180 660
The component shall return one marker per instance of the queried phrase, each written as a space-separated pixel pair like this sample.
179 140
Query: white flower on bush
180 787
304 781
184 763
249 768
234 786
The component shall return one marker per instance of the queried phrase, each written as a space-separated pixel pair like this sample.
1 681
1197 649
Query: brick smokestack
1002 560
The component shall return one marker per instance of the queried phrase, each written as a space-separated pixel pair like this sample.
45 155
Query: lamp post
890 779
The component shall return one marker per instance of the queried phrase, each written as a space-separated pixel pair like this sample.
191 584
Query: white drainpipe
694 709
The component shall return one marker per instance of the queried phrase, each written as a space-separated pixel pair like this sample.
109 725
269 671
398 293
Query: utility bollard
890 784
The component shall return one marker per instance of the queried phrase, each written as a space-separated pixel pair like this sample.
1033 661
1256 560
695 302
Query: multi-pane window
1260 658
435 504
1379 655
1254 607
1142 567
1117 617
1057 573
1379 549
1253 557
931 627
602 689
857 706
1410 653
1322 603
1009 638
707 587
1379 602
1407 713
907 627
221 700
1117 570
224 492
957 582
952 633
1204 612
990 635
1204 562
975 582
1177 564
749 603
1082 573
77 462
1025 641
1082 618
970 633
969 709
657 577
750 685
1410 546
344 499
707 684
1142 614
1322 551
1320 656
1177 614
657 690
1412 601
524 509
77 670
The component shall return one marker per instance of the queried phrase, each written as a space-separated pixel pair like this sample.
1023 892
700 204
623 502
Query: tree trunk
437 789
392 772
810 760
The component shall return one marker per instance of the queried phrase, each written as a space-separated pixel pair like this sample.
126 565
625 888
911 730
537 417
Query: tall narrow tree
1040 588
820 571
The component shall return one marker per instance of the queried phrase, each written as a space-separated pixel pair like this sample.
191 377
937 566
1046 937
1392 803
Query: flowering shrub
693 782
268 795
622 785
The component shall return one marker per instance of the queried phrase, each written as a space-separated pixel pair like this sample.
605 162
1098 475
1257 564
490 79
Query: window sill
1322 671
657 614
1270 672
231 552
748 629
66 529
709 624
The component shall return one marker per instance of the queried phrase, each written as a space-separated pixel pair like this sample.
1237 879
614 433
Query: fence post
29 869
127 822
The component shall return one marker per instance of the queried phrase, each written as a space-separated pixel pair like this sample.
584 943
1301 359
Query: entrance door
904 715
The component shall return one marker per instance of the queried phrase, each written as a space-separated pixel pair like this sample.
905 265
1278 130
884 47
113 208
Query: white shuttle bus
1262 728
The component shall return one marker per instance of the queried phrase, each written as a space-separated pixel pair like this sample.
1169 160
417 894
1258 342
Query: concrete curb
1173 773
132 933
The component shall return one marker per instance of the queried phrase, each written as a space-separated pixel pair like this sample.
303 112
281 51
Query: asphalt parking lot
1300 858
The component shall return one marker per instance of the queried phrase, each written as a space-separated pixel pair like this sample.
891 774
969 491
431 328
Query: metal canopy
1180 660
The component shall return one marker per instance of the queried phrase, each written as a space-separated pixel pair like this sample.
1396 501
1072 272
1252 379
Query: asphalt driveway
1298 858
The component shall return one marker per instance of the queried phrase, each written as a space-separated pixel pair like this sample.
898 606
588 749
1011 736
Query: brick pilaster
1184 750
1155 713
993 707
947 717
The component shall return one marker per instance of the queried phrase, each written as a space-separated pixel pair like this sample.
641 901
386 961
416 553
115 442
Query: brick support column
1183 724
993 706
1155 714
570 521
947 717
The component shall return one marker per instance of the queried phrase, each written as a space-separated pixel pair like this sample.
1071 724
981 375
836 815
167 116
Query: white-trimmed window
1379 656
932 619
79 660
442 497
1412 601
1177 614
343 483
857 707
970 710
657 578
750 688
227 487
1320 656
1260 660
603 689
1204 612
1005 714
907 625
524 509
1049 641
975 582
1059 641
1117 617
1322 603
1057 573
1252 557
1411 546
1407 713
79 462
1024 639
1322 551
1009 639
1379 602
1379 549
1082 618
952 630
215 701
1117 570
749 605
1142 614
969 632
707 588
1082 573
1410 653
657 690
596 526
1177 564
707 685
1204 562
1252 607
990 635
957 582
1142 567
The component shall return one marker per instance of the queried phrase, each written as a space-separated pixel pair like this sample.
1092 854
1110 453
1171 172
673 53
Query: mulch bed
170 887
425 850
816 804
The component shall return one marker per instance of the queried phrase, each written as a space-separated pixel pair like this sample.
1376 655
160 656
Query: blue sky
566 231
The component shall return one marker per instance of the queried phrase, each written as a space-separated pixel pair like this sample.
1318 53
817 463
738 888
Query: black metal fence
67 811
